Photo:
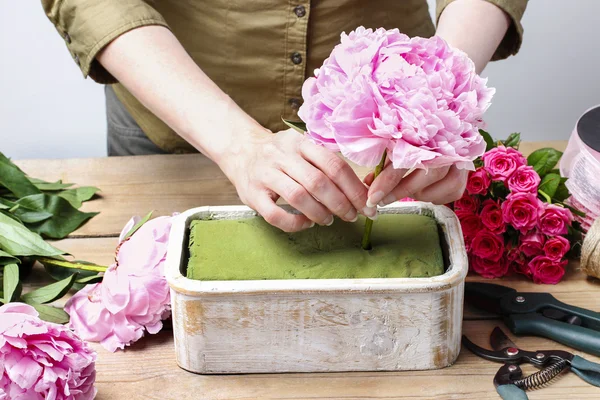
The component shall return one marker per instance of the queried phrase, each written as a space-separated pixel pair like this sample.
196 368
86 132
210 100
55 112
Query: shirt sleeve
514 36
87 26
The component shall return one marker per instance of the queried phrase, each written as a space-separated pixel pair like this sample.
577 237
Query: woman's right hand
310 178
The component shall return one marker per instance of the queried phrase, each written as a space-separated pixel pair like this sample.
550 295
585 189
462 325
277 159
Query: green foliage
138 225
544 160
298 126
489 141
513 140
549 184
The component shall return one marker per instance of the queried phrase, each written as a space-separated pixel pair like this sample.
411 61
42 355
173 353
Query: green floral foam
404 245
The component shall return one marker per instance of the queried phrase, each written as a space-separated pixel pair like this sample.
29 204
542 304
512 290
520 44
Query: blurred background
47 109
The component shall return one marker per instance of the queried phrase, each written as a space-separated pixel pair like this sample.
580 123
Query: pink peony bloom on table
488 245
468 204
501 162
555 220
491 217
556 248
133 297
547 271
489 268
41 360
478 182
417 98
524 179
522 211
532 244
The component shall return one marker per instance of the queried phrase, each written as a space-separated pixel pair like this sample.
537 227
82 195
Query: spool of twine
590 251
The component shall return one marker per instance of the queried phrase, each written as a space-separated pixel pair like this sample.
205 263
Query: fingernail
375 198
351 216
370 212
308 225
329 221
389 199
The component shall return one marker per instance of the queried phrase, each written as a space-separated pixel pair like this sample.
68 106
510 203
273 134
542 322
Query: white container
317 325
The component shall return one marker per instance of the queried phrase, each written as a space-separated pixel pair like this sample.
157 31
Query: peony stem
71 264
366 240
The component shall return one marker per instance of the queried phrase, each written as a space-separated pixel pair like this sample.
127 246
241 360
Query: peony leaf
50 293
6 258
49 186
11 285
489 141
17 240
90 279
549 184
51 314
29 210
544 160
15 180
513 140
298 126
138 225
78 195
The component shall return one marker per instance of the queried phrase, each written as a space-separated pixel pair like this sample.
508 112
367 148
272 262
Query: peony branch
71 264
366 240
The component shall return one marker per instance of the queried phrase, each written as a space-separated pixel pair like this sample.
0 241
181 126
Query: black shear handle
574 336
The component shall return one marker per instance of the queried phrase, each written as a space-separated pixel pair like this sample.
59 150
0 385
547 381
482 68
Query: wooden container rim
446 219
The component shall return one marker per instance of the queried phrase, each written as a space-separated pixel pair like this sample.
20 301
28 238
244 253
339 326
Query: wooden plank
148 371
164 183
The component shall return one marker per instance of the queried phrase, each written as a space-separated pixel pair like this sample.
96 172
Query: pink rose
489 268
532 243
555 220
133 296
556 248
467 204
479 181
522 211
521 266
419 99
491 217
524 179
470 224
501 162
42 360
547 271
488 245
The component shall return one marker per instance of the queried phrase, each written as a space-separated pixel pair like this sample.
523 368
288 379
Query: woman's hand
313 180
438 185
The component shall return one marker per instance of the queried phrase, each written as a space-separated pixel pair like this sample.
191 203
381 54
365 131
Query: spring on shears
542 377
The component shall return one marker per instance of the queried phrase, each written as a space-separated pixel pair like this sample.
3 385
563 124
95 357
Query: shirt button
296 58
300 11
295 103
67 38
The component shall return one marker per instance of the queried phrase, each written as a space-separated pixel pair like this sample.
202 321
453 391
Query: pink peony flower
488 245
555 220
470 224
468 204
532 243
133 296
556 248
491 217
524 179
478 182
418 98
522 211
501 162
41 360
489 268
547 271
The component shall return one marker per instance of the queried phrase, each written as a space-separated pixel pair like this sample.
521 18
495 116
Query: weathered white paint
317 324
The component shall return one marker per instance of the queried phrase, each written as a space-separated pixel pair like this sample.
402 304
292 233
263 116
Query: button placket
295 68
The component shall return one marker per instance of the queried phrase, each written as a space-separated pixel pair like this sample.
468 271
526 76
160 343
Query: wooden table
147 370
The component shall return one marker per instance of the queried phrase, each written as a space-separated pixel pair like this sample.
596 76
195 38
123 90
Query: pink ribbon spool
581 164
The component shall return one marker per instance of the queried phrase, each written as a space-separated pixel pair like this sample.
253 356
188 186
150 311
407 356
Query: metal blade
499 340
486 296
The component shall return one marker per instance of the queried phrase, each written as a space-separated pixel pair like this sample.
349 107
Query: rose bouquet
514 216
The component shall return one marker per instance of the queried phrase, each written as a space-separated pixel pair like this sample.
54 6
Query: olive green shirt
259 52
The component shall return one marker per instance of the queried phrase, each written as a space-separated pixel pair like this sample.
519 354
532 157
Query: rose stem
366 240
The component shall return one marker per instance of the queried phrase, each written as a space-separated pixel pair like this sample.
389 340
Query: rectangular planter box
317 325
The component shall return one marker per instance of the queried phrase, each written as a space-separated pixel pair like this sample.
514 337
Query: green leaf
562 193
90 279
3 207
78 195
51 314
17 240
545 196
513 140
49 186
549 184
544 160
138 225
6 258
11 285
14 179
574 210
51 292
489 141
65 218
298 126
31 209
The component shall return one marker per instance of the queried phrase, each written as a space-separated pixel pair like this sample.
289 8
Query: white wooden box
312 325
